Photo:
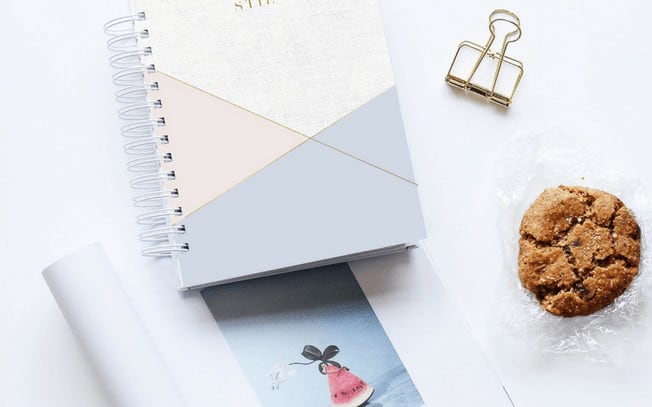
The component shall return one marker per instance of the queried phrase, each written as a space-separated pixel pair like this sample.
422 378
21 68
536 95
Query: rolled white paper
109 330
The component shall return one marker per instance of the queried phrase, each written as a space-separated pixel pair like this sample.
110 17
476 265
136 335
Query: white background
63 180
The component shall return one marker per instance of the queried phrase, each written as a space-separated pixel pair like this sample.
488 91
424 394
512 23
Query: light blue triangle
313 204
374 133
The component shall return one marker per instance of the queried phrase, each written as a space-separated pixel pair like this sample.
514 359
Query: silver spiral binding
140 123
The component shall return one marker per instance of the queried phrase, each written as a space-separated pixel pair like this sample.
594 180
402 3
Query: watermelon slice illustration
347 389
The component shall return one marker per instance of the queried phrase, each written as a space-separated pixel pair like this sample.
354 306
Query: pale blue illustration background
270 320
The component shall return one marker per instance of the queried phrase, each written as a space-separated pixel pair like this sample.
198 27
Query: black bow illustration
313 354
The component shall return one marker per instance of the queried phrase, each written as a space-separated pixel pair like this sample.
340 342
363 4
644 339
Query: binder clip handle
508 17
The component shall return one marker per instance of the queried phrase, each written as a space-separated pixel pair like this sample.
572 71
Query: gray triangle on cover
374 132
315 203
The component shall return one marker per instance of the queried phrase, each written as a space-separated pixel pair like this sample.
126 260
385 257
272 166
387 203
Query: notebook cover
285 132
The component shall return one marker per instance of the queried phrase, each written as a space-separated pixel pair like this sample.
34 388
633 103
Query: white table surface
63 180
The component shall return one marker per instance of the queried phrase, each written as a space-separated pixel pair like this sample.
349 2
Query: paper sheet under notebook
199 367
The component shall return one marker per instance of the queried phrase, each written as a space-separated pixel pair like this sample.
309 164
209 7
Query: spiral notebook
266 135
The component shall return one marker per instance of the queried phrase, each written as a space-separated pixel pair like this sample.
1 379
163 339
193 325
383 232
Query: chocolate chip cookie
579 250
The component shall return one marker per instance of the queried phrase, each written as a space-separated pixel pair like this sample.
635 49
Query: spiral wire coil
139 128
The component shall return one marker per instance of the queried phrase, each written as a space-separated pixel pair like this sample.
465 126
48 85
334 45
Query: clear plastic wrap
537 162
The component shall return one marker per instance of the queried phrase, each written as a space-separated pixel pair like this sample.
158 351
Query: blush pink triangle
215 145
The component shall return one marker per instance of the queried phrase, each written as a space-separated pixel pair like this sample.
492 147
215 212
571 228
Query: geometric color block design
313 204
374 133
245 143
234 143
301 63
285 133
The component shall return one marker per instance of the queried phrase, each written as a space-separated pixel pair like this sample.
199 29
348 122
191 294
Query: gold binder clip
497 94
